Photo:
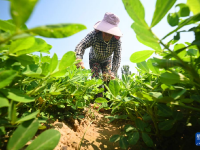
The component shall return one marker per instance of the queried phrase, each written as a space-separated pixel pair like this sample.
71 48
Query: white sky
88 12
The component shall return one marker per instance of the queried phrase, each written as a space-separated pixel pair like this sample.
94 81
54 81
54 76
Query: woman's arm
116 58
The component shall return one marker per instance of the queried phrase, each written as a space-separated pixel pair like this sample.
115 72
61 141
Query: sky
88 12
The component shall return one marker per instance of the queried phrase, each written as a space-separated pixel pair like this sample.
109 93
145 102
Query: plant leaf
143 66
28 117
173 19
4 101
184 10
123 143
6 77
162 7
7 26
46 140
151 67
146 36
21 10
114 138
23 134
136 11
67 60
114 87
16 95
100 100
53 63
166 125
141 56
194 6
147 140
133 138
21 44
58 30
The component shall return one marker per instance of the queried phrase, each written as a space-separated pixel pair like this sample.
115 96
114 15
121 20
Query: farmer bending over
104 41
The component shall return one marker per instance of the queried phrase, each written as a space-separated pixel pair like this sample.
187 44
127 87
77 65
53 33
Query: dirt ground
97 132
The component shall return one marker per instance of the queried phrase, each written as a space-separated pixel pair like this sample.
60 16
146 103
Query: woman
104 41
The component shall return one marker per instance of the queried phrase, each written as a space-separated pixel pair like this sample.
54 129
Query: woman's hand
108 76
80 64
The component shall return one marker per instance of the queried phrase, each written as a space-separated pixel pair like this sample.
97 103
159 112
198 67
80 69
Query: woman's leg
96 71
106 70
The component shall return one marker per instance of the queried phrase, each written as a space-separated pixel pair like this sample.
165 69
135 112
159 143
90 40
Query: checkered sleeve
116 57
85 43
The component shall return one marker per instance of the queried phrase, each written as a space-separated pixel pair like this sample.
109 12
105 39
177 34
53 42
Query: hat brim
108 28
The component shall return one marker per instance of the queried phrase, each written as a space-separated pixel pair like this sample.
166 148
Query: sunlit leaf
143 66
53 63
16 95
114 138
162 7
23 134
4 101
46 140
21 10
114 87
151 67
67 60
100 100
7 26
58 30
135 10
141 56
194 6
28 117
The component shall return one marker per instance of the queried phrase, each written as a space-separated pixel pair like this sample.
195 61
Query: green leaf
178 94
114 87
194 6
184 10
164 110
157 95
100 100
185 22
178 115
143 66
162 7
23 134
140 124
170 78
123 143
192 52
146 36
53 63
140 56
166 125
7 26
32 70
61 73
173 19
6 77
21 44
67 60
114 138
153 45
58 30
4 101
133 138
25 59
28 117
135 10
21 10
47 140
45 69
45 59
39 45
151 67
147 140
16 95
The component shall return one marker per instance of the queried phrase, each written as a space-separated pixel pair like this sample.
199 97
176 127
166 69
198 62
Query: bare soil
97 132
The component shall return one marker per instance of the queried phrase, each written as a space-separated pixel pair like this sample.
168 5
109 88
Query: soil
96 128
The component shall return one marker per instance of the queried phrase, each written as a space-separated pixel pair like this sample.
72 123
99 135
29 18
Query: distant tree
125 70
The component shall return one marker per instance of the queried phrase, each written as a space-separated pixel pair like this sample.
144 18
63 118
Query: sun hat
109 24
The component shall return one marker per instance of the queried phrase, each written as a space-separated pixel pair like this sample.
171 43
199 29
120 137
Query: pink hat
109 24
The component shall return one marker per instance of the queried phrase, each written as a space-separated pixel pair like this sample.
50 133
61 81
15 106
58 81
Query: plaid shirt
100 51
